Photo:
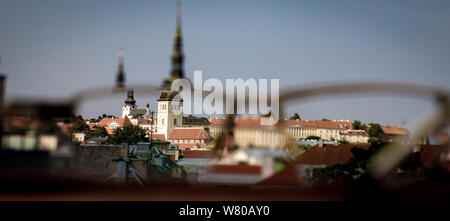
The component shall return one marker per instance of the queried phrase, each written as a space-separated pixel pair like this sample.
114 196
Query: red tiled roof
394 130
248 121
123 122
92 125
215 121
287 176
196 154
256 121
328 124
329 154
188 133
159 136
239 121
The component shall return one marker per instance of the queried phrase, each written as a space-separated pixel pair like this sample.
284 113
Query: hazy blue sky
52 49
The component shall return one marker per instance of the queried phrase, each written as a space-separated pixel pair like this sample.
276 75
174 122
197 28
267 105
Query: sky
51 49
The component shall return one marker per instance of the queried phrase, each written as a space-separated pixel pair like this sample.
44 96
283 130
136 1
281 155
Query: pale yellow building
355 136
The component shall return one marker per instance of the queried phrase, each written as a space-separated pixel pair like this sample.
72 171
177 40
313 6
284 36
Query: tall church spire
177 70
177 55
178 30
120 78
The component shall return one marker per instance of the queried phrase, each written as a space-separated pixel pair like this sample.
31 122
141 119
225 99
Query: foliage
100 117
354 171
48 127
312 138
357 125
343 141
303 148
375 131
19 130
279 164
296 116
100 131
325 119
93 120
129 134
78 124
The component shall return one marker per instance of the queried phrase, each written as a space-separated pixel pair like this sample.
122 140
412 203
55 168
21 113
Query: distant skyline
52 49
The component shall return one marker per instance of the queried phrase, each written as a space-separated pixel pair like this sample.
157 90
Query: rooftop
390 130
329 155
188 133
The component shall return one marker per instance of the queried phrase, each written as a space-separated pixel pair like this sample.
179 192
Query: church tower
177 55
130 104
170 112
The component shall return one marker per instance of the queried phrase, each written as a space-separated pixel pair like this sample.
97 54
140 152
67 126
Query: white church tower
170 112
130 104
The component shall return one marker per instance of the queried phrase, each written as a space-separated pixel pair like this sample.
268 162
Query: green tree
20 129
354 171
356 125
343 141
303 148
48 127
325 119
79 125
296 116
129 134
312 138
100 131
375 131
